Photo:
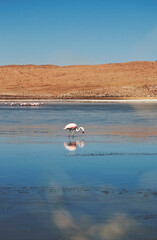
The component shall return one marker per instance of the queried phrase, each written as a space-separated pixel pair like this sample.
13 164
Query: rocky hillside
122 80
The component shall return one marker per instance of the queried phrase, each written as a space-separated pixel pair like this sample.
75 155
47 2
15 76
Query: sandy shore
80 101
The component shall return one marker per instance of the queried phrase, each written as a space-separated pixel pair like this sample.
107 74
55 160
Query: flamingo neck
80 128
77 129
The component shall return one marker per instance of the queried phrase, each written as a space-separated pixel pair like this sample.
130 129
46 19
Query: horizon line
70 65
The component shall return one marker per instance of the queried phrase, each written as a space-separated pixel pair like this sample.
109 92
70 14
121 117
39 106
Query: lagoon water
99 185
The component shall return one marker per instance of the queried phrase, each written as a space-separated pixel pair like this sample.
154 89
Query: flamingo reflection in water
72 145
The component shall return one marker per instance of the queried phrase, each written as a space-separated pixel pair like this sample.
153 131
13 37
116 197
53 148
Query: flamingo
73 127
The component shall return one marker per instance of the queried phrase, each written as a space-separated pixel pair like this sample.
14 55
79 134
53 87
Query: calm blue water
82 188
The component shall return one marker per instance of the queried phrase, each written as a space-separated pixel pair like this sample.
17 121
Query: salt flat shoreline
79 100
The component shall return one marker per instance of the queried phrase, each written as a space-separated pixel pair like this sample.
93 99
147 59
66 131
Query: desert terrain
116 80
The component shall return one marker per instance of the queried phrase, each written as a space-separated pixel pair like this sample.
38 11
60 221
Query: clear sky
69 32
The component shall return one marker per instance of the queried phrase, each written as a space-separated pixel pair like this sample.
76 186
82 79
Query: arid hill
122 80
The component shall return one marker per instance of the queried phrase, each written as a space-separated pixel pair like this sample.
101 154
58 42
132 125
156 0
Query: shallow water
99 185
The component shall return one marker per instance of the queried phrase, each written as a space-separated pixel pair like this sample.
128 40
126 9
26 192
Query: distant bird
73 127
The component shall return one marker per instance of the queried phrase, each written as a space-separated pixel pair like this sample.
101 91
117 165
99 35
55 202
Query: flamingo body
70 126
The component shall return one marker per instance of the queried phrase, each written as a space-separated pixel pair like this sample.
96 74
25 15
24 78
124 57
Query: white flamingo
73 127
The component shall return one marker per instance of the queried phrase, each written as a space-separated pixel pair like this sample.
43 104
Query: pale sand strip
81 100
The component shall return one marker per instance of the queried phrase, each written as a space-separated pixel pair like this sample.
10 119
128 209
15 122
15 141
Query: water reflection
72 145
76 214
105 191
118 226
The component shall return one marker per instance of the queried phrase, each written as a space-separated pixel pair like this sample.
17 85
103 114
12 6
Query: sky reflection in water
100 185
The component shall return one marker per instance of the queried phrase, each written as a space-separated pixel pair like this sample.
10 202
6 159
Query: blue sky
69 32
